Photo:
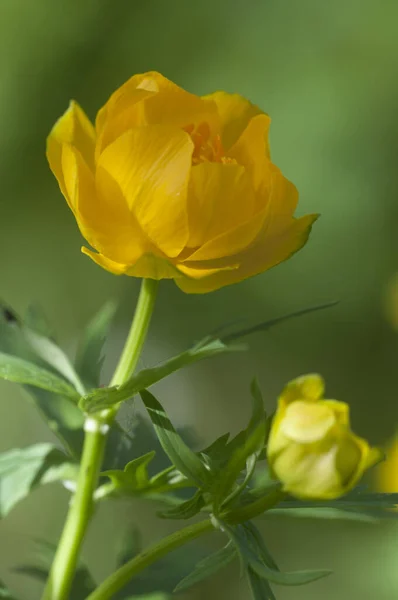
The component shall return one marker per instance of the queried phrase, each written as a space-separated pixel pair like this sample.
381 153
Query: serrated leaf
182 457
89 358
27 373
135 476
244 455
208 567
184 510
106 397
22 469
266 325
53 355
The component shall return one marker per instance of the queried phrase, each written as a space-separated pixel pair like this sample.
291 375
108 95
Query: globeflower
172 185
311 448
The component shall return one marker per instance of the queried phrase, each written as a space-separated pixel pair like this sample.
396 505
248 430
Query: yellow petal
100 210
148 99
79 185
307 387
307 422
252 148
341 410
387 471
220 198
235 113
147 266
105 263
151 165
256 259
73 128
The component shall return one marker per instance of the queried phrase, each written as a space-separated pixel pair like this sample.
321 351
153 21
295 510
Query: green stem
96 429
137 334
115 582
122 576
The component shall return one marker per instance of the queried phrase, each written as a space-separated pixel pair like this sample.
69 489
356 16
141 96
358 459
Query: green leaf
259 587
106 397
245 454
185 510
182 457
23 469
255 557
83 583
89 357
5 593
150 596
208 567
53 355
134 477
354 500
24 372
162 576
266 325
36 320
329 514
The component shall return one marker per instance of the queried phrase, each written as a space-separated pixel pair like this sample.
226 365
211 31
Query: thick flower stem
96 429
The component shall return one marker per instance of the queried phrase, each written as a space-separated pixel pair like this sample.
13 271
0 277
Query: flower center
207 148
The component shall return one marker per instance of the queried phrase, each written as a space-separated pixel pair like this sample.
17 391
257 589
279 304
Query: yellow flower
311 448
171 185
387 472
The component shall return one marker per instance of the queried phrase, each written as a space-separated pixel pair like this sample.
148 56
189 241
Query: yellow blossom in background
311 448
387 471
172 185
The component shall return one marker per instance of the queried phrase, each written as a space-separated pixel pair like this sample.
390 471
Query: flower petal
235 113
257 259
252 148
151 165
147 266
220 197
72 128
149 99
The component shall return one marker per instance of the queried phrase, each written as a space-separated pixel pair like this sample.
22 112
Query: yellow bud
311 448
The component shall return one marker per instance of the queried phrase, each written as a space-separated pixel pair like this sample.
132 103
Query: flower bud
311 448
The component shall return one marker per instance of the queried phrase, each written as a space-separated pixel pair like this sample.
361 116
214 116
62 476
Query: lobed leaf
181 456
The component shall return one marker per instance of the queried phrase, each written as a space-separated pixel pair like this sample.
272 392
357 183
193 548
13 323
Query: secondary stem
122 576
96 430
115 582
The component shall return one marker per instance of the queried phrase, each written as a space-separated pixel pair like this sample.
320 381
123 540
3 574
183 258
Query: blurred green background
327 73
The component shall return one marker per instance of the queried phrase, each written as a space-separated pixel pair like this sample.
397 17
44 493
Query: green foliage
255 556
83 582
182 457
208 567
21 470
27 373
89 357
107 397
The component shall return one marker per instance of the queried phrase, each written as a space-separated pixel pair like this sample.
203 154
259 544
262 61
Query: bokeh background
327 73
